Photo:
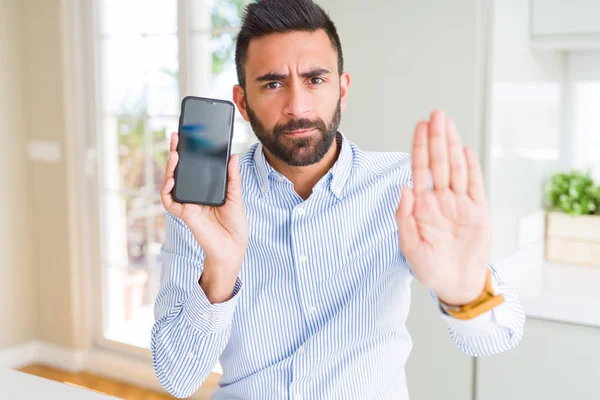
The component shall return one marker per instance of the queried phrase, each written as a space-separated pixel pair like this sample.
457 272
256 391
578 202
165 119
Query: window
583 123
543 120
587 122
149 55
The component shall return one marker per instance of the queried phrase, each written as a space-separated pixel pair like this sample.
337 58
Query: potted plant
572 203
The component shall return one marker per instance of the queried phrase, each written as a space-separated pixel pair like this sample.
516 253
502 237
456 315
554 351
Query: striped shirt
321 301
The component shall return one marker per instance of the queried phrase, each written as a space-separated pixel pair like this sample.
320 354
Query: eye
271 85
317 81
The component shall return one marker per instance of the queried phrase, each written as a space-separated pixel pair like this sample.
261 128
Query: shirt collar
340 171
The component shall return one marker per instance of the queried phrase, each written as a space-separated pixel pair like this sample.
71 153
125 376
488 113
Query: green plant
135 134
225 14
573 193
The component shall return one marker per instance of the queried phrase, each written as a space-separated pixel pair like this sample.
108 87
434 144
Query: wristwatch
485 302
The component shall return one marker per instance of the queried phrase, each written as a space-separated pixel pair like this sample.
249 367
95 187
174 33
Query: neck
305 178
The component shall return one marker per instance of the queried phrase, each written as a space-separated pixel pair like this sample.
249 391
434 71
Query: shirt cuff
484 324
472 326
206 317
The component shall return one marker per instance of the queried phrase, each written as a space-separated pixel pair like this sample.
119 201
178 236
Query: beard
300 151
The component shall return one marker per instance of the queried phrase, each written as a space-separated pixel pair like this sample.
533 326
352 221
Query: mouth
300 132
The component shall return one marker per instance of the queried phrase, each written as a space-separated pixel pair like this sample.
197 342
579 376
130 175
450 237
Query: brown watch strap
485 302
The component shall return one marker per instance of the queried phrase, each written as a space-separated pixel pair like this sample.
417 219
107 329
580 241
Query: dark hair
264 17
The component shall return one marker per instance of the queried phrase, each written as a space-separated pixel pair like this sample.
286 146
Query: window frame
92 194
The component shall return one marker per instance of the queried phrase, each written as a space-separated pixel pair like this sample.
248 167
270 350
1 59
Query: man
300 284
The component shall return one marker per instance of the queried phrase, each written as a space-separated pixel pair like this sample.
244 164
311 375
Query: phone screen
205 132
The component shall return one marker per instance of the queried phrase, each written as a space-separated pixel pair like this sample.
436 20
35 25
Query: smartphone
204 148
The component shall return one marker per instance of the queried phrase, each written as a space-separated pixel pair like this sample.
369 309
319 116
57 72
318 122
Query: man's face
294 95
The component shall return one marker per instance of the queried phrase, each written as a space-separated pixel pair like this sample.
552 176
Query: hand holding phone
221 231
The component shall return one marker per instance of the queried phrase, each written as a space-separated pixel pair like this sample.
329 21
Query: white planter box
573 239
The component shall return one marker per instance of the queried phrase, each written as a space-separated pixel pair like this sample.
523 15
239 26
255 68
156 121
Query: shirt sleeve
190 333
494 331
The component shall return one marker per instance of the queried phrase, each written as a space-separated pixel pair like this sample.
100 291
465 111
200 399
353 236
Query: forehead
278 52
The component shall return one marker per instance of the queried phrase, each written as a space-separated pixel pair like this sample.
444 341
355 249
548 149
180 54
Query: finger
458 164
167 199
174 141
407 203
171 164
234 187
407 225
167 188
476 186
438 151
420 159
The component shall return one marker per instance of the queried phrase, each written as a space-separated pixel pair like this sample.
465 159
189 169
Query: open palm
445 234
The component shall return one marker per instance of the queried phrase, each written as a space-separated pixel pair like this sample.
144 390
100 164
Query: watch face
453 308
448 309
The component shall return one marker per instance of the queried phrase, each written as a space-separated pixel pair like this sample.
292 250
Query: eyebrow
280 77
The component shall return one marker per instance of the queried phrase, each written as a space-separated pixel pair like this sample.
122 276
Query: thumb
407 225
234 186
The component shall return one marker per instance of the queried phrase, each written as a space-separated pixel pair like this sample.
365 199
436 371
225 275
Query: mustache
299 124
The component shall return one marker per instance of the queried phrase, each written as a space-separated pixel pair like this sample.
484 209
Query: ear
239 98
344 84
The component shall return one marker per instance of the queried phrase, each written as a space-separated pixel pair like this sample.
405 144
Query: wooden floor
94 382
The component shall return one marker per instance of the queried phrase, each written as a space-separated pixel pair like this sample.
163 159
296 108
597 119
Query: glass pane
587 121
213 71
126 167
162 70
161 129
206 15
137 17
123 151
134 230
128 299
130 291
122 74
124 230
160 220
157 237
124 156
227 13
222 48
115 246
137 231
140 75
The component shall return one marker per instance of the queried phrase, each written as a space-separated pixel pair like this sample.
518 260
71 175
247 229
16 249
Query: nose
298 102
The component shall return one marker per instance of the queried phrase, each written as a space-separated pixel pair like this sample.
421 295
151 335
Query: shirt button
301 350
301 211
298 396
303 258
191 355
312 309
205 316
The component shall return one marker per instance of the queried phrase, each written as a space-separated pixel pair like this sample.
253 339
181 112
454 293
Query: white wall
34 256
525 122
46 120
17 291
406 58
